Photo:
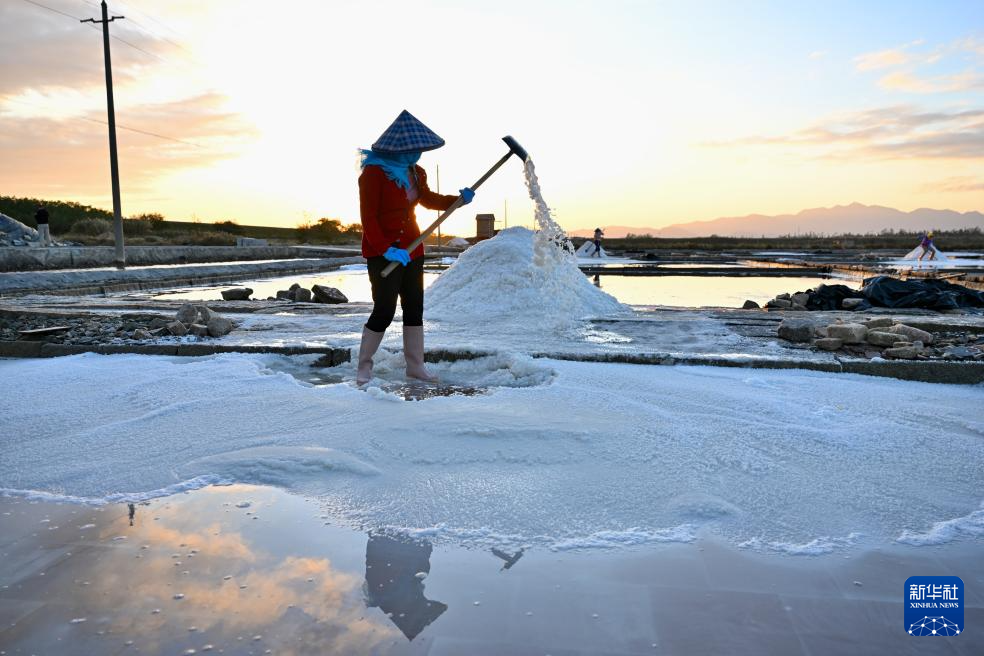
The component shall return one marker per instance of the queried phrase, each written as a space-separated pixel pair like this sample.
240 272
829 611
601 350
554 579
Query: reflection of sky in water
354 284
682 291
197 570
708 291
254 570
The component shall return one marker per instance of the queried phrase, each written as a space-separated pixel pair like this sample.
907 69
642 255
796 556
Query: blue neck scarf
396 166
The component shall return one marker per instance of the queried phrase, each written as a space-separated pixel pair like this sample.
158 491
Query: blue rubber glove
394 254
466 195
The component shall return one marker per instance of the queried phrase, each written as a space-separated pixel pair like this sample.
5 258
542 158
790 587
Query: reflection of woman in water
927 246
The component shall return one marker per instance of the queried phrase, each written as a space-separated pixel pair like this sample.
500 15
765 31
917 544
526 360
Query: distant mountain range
841 219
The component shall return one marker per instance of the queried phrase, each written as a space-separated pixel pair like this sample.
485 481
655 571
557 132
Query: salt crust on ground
504 279
599 455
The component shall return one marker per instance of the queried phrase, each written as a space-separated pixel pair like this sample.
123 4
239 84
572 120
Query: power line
130 9
112 36
57 11
95 120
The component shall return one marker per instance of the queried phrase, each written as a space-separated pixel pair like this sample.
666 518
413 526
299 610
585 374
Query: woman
390 186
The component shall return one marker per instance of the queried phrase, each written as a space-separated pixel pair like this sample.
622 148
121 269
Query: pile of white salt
520 275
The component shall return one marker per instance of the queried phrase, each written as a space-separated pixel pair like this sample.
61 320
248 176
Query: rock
881 338
796 330
205 314
750 305
783 297
851 333
302 295
780 303
820 331
294 286
880 322
851 303
198 330
219 326
159 322
958 353
902 353
237 294
177 329
802 298
796 307
141 333
912 333
285 295
324 294
187 314
829 343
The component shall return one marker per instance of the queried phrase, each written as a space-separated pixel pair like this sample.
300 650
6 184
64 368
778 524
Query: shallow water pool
706 291
674 291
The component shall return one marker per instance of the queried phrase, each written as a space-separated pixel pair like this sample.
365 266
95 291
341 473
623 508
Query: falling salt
551 245
78 620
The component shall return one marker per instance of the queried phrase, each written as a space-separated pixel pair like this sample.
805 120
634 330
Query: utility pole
114 166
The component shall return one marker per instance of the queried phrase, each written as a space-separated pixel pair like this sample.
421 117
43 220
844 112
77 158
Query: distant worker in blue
598 234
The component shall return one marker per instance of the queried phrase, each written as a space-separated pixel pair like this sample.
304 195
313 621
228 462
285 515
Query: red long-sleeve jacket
388 216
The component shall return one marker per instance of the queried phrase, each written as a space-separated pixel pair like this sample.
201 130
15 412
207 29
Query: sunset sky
636 112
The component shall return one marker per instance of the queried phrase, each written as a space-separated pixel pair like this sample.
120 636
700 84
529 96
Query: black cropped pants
405 282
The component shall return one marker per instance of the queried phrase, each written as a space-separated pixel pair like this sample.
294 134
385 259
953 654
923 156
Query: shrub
149 217
136 227
92 227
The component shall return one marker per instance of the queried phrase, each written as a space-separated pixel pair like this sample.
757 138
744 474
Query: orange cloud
47 155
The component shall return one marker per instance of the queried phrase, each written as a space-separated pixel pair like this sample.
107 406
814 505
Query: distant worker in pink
927 246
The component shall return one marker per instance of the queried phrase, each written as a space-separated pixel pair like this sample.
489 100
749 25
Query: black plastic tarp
829 297
885 291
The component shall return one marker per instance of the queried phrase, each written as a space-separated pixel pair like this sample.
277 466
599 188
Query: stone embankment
883 337
84 257
194 330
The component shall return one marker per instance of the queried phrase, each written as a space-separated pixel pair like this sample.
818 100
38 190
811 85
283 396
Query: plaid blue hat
407 134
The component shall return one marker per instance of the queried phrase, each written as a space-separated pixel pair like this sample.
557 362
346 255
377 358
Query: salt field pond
680 291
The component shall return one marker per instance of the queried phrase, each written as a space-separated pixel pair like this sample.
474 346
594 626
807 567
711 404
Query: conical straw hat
407 134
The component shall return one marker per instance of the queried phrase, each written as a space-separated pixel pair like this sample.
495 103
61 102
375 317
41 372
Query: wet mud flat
254 570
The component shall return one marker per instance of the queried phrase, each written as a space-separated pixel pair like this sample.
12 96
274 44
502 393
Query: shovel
514 149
